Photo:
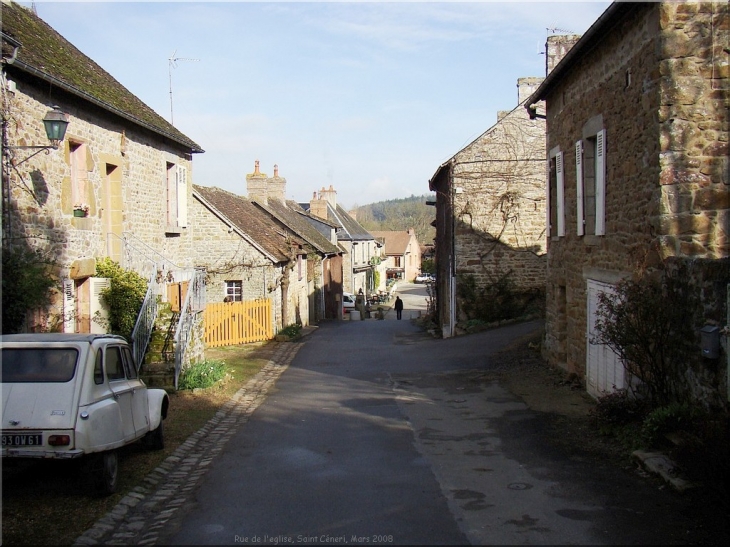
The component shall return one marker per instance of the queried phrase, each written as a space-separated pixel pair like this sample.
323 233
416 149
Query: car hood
38 406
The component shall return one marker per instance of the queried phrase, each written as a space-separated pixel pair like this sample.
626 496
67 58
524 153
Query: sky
368 97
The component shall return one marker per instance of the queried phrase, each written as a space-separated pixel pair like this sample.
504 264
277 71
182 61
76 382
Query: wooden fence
230 323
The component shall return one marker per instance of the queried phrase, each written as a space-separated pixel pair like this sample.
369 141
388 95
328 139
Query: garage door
604 371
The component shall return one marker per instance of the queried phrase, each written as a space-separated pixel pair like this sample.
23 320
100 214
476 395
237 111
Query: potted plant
81 210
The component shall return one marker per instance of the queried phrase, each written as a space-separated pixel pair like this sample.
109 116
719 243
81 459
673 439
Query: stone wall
41 204
657 84
498 188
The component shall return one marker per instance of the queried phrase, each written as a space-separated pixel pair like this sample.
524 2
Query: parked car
348 302
68 396
425 278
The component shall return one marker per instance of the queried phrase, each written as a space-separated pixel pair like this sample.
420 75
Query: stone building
361 251
323 278
118 185
402 254
637 140
246 255
490 208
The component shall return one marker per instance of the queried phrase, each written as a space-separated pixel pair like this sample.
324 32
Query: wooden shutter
96 305
561 193
69 305
579 187
601 182
182 196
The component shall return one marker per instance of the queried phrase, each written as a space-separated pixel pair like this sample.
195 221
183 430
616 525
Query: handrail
194 304
144 325
163 262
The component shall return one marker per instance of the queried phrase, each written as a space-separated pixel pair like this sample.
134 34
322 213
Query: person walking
398 307
360 304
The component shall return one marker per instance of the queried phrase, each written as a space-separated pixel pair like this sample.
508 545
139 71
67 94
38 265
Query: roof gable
396 242
250 220
291 215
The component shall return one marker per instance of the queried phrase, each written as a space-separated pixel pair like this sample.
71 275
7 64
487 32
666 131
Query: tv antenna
559 30
173 64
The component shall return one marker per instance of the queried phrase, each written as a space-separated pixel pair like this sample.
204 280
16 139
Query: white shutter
182 196
579 187
601 182
561 194
69 306
96 305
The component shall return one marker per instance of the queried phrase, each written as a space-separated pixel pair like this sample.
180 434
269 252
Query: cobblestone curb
138 517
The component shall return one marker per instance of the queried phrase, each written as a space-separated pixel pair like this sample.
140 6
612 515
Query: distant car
67 396
348 302
425 278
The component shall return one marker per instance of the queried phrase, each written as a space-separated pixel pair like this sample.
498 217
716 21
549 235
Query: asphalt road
378 434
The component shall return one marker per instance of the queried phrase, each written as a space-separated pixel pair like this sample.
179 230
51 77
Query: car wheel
155 439
105 470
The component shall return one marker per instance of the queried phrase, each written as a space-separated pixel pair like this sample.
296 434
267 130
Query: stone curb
140 515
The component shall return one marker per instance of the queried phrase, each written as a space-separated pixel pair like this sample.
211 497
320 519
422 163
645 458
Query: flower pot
79 213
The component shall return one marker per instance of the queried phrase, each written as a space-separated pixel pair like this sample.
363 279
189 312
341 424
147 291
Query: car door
140 408
119 385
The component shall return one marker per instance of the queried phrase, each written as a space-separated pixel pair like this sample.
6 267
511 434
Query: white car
66 396
348 302
425 278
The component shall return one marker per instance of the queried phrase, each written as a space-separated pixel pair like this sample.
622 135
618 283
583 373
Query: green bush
668 419
124 296
203 374
27 285
292 331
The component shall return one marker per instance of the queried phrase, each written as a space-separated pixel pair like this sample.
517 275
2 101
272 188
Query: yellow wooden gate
230 323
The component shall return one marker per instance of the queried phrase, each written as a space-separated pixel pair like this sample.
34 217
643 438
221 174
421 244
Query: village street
377 433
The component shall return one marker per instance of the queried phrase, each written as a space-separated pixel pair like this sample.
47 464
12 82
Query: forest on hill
400 214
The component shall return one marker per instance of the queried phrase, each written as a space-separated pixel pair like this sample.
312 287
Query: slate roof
348 229
293 217
255 225
396 242
47 55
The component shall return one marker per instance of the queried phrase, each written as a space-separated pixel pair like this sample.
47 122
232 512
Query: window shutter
182 196
579 186
561 194
601 182
69 306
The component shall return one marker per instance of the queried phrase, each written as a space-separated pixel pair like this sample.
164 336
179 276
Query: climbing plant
123 297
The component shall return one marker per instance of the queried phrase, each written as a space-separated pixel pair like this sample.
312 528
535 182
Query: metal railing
193 305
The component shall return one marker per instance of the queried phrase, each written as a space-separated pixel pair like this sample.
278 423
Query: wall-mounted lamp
55 123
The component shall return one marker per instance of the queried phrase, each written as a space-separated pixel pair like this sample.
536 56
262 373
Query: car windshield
34 365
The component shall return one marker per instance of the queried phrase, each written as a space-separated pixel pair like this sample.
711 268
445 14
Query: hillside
400 214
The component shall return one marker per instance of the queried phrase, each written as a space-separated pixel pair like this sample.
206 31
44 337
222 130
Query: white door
96 306
604 370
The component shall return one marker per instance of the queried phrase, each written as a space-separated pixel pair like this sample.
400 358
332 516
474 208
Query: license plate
22 439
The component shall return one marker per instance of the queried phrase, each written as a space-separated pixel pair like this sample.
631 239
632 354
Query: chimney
276 186
256 185
526 87
330 195
558 46
318 207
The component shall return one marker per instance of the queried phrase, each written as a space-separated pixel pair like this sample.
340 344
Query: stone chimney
526 87
256 185
277 186
558 46
318 207
330 195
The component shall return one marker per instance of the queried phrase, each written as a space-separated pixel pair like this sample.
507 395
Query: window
44 365
556 195
177 196
114 364
129 365
234 291
590 166
396 262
